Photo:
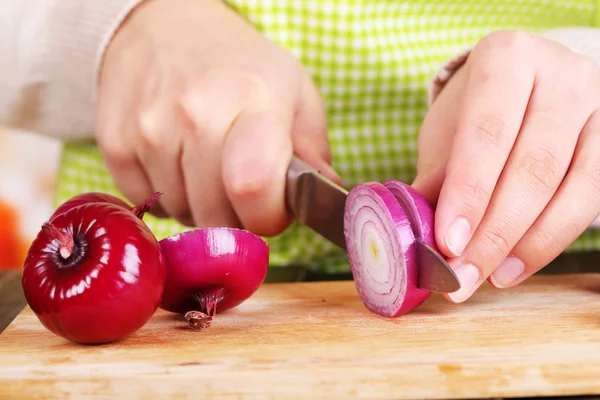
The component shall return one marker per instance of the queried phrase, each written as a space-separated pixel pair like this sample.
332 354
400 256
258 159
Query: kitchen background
28 164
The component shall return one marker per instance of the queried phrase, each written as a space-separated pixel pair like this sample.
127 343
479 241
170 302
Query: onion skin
111 284
377 228
227 264
85 198
98 197
419 211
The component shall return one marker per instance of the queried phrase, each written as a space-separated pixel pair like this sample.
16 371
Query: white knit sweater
51 51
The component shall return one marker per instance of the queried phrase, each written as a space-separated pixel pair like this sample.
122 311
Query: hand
194 102
512 147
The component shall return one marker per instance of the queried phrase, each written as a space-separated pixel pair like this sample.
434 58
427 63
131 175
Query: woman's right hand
194 102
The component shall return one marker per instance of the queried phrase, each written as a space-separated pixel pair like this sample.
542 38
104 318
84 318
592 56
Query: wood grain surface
316 340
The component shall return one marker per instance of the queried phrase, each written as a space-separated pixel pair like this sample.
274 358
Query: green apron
372 61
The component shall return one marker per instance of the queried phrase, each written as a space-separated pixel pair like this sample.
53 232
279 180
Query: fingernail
468 276
508 272
457 235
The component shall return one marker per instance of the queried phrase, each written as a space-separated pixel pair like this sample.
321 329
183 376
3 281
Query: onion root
207 302
66 243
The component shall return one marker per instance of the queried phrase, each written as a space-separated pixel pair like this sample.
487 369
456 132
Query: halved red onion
381 249
211 270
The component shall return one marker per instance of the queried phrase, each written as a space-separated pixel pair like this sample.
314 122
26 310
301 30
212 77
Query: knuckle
545 243
496 241
592 176
576 85
242 186
541 168
251 85
475 194
489 129
115 152
588 72
150 128
587 68
513 41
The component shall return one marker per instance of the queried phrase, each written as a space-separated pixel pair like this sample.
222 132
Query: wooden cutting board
316 340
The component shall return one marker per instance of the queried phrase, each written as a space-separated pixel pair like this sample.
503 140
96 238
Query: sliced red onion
418 210
381 251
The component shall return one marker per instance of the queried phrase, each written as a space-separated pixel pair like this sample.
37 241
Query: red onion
211 270
94 273
418 210
381 247
97 197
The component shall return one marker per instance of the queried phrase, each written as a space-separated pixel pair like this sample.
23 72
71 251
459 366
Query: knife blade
317 202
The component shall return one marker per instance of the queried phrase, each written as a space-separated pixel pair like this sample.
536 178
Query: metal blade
316 201
435 274
319 203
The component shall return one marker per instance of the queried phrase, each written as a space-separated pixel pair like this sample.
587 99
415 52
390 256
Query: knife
317 202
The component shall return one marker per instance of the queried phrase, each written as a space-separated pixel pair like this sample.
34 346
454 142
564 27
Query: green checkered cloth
372 61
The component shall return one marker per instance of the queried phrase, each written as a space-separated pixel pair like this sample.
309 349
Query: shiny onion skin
211 270
97 197
418 210
109 286
381 250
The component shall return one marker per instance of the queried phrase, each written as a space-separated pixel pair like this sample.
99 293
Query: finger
571 211
309 131
160 127
114 136
212 104
533 173
257 153
435 138
126 171
496 97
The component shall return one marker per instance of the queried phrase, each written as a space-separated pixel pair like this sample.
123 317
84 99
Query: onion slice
211 270
418 210
381 250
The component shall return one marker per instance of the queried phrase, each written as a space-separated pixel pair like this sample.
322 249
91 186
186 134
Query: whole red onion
94 273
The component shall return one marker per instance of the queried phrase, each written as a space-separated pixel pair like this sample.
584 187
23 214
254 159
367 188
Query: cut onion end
381 250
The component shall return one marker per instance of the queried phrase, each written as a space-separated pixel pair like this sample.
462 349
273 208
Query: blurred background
28 165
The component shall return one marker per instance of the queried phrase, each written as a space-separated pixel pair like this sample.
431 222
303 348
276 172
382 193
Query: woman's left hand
510 152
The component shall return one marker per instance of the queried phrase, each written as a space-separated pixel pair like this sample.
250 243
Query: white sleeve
50 54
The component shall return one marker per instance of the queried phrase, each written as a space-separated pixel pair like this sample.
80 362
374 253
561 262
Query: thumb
436 138
256 155
309 132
